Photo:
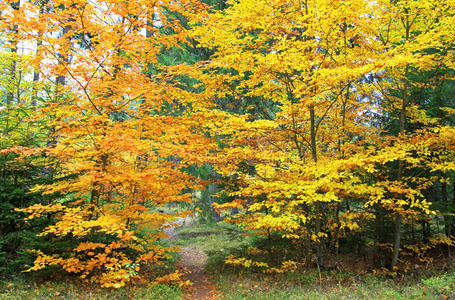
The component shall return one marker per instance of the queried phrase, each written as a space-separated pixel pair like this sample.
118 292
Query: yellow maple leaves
320 72
325 65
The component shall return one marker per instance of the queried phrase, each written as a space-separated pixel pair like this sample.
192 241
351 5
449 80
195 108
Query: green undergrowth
214 238
21 288
246 286
45 285
222 239
258 286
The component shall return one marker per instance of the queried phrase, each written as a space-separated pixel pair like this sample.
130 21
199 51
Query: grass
213 238
20 288
247 286
219 240
222 239
254 286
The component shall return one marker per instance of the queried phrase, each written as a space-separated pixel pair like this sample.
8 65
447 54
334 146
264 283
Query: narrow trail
194 260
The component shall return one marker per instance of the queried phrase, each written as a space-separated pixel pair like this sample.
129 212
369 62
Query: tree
311 171
17 132
120 151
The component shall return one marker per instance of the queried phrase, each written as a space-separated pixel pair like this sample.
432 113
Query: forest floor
203 251
209 244
192 262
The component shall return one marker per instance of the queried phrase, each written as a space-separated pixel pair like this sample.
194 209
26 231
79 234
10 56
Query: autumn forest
270 149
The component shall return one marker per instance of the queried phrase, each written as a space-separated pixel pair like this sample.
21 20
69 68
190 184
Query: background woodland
323 129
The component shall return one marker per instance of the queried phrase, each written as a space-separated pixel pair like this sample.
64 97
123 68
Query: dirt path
194 261
172 231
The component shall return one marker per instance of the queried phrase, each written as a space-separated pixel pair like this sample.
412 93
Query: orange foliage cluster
123 129
119 138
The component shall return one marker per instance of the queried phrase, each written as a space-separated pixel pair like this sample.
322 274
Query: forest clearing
227 149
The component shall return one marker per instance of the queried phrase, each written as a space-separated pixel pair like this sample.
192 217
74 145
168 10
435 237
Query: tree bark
397 240
314 154
444 201
37 70
13 50
398 218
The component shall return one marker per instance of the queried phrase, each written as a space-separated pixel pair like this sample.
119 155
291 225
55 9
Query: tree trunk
452 210
37 71
397 240
212 190
444 202
398 219
314 154
12 70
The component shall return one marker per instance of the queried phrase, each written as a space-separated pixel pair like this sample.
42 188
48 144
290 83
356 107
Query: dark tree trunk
13 49
444 201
